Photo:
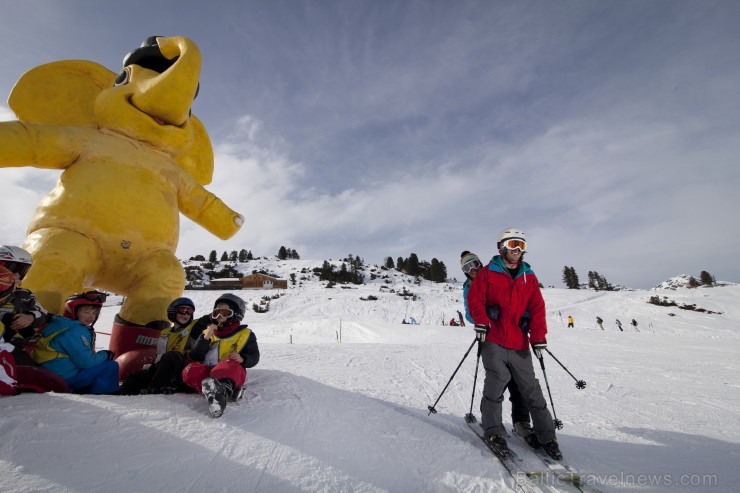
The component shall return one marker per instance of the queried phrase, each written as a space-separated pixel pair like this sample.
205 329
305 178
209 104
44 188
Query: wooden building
262 281
226 284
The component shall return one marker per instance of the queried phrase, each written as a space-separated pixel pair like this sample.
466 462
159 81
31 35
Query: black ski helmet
172 309
235 303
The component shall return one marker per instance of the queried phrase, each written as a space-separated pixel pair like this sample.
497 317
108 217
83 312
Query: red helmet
78 300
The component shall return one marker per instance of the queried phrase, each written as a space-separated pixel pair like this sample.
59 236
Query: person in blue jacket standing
66 348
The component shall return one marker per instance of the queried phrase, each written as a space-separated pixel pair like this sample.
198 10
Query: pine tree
570 278
706 278
242 255
389 263
412 265
400 264
213 256
233 256
282 253
249 255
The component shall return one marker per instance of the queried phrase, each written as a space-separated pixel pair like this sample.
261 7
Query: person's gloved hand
481 331
538 347
109 354
493 312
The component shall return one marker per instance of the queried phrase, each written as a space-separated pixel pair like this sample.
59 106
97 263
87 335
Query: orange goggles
514 243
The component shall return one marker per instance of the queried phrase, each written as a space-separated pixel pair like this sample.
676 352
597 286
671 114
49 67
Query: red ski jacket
515 297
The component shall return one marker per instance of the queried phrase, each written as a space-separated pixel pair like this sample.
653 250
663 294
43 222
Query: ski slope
659 412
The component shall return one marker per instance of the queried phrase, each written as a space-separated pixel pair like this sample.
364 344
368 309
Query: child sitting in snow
164 376
221 355
66 346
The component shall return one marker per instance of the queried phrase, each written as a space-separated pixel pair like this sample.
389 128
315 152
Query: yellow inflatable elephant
134 157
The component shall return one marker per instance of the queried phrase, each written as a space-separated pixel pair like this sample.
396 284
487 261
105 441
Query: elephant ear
197 160
60 93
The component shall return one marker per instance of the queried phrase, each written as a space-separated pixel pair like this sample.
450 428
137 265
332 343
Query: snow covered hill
659 412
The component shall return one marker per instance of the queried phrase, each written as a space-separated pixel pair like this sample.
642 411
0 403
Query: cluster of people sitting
208 355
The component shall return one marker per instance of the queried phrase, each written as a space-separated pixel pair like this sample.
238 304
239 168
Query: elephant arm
41 146
204 208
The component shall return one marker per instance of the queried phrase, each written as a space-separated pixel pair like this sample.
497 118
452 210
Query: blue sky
608 130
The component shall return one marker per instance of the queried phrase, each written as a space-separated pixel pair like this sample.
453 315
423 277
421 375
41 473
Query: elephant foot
127 336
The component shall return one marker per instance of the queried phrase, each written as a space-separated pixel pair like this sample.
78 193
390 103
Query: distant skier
619 324
634 324
454 323
471 265
570 322
599 322
221 355
511 284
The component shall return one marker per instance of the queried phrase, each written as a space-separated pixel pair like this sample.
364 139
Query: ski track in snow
320 416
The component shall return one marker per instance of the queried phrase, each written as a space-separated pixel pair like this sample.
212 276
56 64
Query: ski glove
481 331
493 312
538 347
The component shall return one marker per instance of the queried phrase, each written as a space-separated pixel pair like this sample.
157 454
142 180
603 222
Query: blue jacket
466 288
65 347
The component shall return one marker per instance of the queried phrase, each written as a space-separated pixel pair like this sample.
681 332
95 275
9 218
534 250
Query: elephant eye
122 78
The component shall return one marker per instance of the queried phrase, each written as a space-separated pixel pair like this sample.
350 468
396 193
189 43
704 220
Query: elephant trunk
169 96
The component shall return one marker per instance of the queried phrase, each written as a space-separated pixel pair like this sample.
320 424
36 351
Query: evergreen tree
389 263
282 253
242 255
295 255
212 257
249 255
233 256
570 278
224 256
411 266
706 278
400 264
693 283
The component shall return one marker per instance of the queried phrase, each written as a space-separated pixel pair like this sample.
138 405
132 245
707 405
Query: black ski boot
216 393
497 444
552 449
524 430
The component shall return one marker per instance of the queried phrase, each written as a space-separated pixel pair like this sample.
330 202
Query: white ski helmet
15 259
509 233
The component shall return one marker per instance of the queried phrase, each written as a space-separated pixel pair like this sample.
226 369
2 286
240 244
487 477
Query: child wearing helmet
66 347
510 284
221 355
8 376
20 312
85 307
164 376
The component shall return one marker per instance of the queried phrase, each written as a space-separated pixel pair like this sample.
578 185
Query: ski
526 480
561 469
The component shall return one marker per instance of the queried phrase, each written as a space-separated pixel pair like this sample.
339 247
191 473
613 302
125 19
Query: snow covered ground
660 412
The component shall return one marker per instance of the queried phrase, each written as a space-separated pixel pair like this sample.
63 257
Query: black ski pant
501 366
165 374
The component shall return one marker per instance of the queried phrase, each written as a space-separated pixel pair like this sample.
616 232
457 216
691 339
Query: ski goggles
93 296
514 243
185 310
15 267
222 312
470 265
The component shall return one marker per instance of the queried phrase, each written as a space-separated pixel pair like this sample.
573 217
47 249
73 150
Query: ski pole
558 424
432 407
480 336
580 384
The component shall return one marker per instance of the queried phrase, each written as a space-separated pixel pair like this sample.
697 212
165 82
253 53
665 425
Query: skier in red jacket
506 297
